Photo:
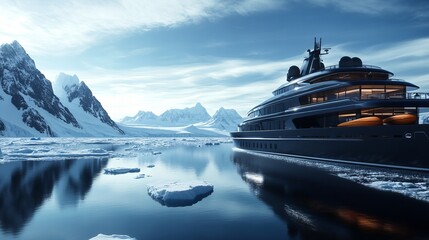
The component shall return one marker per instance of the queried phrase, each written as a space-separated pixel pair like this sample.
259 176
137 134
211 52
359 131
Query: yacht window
387 112
395 92
353 92
364 92
342 93
373 92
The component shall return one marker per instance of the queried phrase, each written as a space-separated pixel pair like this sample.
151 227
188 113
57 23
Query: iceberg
142 175
118 170
179 194
111 237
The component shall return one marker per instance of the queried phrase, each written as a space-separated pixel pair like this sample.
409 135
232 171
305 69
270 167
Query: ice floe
119 170
180 193
151 166
111 237
142 175
23 149
50 154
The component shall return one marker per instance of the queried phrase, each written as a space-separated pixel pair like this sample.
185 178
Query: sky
145 55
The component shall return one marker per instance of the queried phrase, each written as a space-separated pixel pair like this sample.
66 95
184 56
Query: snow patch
177 194
111 237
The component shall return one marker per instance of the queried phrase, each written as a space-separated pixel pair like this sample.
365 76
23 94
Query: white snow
63 81
120 170
180 193
111 237
91 125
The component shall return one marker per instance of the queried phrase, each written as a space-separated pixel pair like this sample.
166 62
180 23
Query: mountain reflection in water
25 185
318 205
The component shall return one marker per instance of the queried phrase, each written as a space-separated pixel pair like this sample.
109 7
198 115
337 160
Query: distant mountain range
31 106
223 119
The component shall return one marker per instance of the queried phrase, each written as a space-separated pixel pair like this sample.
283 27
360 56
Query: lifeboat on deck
401 119
365 121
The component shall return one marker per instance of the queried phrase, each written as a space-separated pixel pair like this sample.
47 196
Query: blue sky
157 55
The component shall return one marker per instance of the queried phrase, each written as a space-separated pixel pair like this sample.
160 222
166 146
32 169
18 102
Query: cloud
55 27
232 83
228 83
405 58
371 7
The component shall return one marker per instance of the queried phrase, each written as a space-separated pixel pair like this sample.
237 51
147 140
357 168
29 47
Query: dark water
255 197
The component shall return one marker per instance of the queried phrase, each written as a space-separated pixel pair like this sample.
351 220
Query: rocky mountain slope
29 106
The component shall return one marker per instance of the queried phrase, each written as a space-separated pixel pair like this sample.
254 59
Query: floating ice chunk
35 138
156 152
142 175
111 237
180 193
150 165
115 171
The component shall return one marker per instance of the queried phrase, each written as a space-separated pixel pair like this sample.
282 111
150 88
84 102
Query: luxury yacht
350 112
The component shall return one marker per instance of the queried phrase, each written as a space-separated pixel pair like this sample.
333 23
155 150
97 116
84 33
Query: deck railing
363 66
418 95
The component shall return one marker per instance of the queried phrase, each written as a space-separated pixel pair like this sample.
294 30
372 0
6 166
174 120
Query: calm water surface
255 197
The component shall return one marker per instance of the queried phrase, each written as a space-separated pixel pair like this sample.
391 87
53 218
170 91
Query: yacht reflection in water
315 204
25 185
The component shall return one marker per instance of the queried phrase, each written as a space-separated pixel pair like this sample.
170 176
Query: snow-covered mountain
180 117
224 119
27 101
170 118
142 118
29 106
78 98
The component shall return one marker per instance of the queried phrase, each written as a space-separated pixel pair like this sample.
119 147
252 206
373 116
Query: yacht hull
386 146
